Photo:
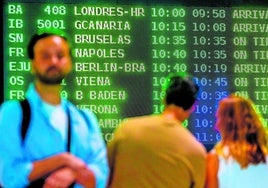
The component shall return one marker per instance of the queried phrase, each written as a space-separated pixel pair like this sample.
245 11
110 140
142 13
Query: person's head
241 126
180 96
51 57
238 120
181 91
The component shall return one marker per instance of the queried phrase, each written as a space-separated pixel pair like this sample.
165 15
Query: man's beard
52 80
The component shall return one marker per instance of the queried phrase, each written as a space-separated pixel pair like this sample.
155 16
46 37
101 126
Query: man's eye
45 56
60 56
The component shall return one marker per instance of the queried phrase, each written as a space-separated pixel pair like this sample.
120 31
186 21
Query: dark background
209 3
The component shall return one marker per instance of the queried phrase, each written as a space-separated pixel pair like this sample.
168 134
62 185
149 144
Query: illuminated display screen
121 54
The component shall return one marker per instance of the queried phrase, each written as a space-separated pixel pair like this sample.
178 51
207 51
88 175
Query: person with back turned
239 159
63 146
157 151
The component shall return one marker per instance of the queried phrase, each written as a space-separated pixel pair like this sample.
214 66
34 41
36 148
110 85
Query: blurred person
63 146
157 151
240 158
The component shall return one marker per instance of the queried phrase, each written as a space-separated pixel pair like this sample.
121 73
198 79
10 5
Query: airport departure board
122 53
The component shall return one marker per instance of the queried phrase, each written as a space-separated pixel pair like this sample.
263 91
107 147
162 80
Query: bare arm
212 166
63 177
86 178
46 166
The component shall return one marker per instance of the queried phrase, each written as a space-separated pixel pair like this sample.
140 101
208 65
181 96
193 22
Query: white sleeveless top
231 175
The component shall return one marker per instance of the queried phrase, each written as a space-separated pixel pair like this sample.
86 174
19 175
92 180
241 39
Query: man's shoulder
191 142
9 105
72 106
10 114
141 119
85 114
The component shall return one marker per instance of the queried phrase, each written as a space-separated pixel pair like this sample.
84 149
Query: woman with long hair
240 158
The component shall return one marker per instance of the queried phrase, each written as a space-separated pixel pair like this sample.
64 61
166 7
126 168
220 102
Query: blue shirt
43 140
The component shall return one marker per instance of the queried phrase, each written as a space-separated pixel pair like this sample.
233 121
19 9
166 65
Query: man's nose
54 59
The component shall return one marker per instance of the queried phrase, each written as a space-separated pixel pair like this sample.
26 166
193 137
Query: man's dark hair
181 91
36 37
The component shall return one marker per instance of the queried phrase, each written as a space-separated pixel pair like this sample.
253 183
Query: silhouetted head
181 91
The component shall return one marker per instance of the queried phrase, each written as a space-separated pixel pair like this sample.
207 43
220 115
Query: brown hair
242 130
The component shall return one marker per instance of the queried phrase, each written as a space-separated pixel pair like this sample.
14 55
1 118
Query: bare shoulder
212 157
212 161
212 166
